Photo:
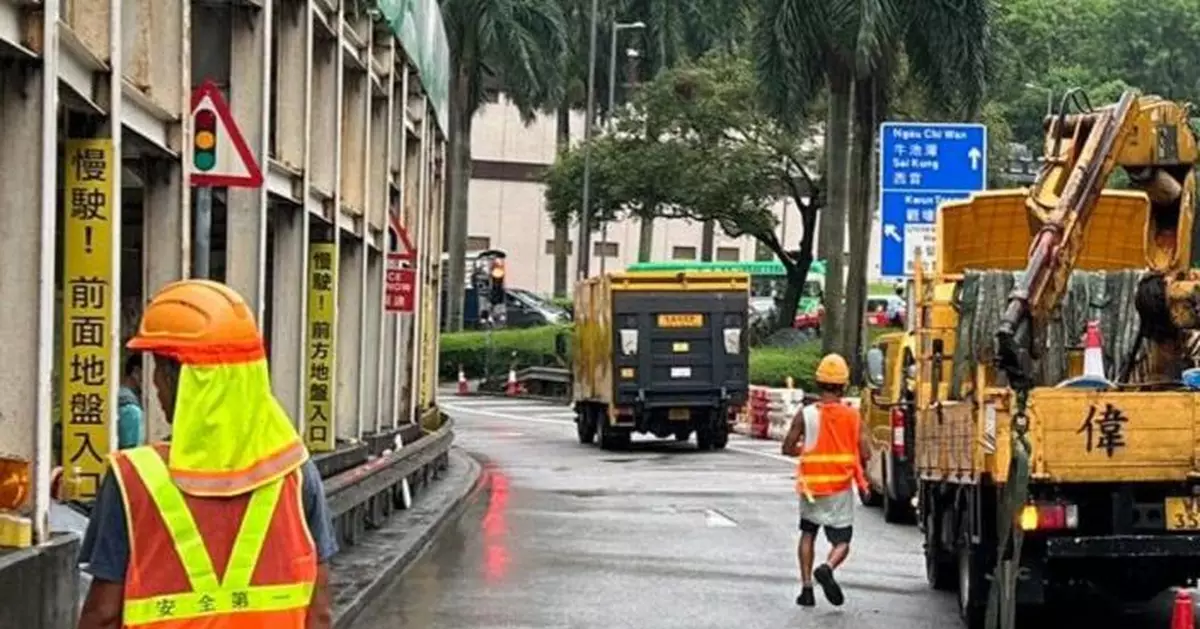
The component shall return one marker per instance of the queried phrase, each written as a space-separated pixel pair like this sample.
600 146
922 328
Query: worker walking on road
227 525
826 436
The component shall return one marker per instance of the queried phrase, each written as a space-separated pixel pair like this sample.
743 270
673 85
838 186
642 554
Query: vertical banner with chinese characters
87 370
322 297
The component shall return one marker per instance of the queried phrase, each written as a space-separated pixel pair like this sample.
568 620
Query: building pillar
373 346
287 342
349 336
166 256
21 174
246 222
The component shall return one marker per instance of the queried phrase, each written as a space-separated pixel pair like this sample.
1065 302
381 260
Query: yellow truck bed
1077 437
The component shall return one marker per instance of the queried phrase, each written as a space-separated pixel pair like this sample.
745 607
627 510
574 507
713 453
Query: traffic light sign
204 153
220 155
497 293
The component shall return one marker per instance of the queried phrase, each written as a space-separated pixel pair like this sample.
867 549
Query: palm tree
854 49
517 44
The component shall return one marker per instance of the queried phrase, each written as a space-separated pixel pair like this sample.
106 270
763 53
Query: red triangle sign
407 251
220 155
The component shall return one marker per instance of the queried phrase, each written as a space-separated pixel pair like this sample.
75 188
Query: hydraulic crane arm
1149 137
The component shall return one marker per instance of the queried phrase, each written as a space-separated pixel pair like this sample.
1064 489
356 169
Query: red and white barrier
769 411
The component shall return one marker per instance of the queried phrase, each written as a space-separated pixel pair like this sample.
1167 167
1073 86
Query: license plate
680 348
1183 514
681 372
680 321
679 414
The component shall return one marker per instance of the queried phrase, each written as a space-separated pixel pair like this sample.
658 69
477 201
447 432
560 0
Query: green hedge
769 366
534 347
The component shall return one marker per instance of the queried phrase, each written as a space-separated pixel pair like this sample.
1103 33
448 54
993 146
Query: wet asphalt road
661 537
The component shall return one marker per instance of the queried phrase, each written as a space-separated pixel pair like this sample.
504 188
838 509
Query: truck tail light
1049 517
898 449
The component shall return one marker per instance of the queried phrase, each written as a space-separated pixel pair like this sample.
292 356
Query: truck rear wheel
939 569
611 437
585 424
713 434
972 584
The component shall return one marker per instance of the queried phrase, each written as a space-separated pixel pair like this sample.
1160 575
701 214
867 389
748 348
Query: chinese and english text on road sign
922 165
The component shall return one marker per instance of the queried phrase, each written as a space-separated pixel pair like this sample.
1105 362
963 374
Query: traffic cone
513 388
1093 355
462 381
1184 615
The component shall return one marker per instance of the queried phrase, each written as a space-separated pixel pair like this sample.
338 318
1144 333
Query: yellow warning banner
88 297
322 295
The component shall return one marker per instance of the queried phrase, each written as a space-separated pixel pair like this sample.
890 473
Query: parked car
524 309
886 310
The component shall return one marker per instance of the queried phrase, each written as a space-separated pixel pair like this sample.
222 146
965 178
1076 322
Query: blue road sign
922 164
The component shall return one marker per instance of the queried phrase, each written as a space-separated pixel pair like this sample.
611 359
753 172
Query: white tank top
812 426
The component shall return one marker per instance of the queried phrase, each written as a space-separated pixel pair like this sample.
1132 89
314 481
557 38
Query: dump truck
661 353
1038 480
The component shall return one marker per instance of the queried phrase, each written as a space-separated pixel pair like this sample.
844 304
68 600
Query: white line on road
456 407
516 418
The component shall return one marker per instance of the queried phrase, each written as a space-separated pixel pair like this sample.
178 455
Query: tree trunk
562 233
833 216
862 149
456 199
646 239
707 237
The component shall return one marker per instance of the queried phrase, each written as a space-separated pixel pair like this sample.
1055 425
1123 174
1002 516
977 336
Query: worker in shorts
827 438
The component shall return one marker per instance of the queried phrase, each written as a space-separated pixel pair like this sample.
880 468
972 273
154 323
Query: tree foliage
696 145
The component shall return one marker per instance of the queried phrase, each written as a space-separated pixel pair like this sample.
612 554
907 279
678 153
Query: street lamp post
617 27
583 252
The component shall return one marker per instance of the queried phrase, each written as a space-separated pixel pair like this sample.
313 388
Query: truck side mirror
875 366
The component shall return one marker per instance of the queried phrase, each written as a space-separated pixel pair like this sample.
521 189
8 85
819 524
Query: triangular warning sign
407 250
220 155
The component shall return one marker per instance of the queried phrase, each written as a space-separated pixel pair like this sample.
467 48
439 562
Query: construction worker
827 436
226 525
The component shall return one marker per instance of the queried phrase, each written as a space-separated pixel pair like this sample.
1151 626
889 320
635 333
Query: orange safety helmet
199 322
833 370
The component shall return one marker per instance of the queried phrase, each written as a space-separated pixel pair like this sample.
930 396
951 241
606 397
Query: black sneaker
806 598
824 576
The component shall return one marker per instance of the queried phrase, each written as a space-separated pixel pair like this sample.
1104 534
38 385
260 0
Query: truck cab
888 410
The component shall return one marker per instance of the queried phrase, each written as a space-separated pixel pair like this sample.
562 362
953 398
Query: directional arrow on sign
890 231
975 156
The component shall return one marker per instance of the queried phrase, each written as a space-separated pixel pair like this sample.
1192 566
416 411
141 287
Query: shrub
533 347
771 366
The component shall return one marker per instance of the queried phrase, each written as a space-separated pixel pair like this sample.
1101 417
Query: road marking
517 418
460 408
716 519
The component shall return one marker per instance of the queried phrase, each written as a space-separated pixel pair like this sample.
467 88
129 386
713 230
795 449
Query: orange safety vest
832 465
242 562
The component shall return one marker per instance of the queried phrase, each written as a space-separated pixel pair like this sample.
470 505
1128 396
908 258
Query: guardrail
362 497
545 381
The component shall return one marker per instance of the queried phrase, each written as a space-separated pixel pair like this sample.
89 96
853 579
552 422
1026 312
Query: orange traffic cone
1184 615
1093 355
462 381
513 388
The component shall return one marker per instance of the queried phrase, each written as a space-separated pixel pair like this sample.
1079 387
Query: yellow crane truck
661 353
1034 481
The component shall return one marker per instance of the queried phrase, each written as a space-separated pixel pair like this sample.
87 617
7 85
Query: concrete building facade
341 103
508 209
